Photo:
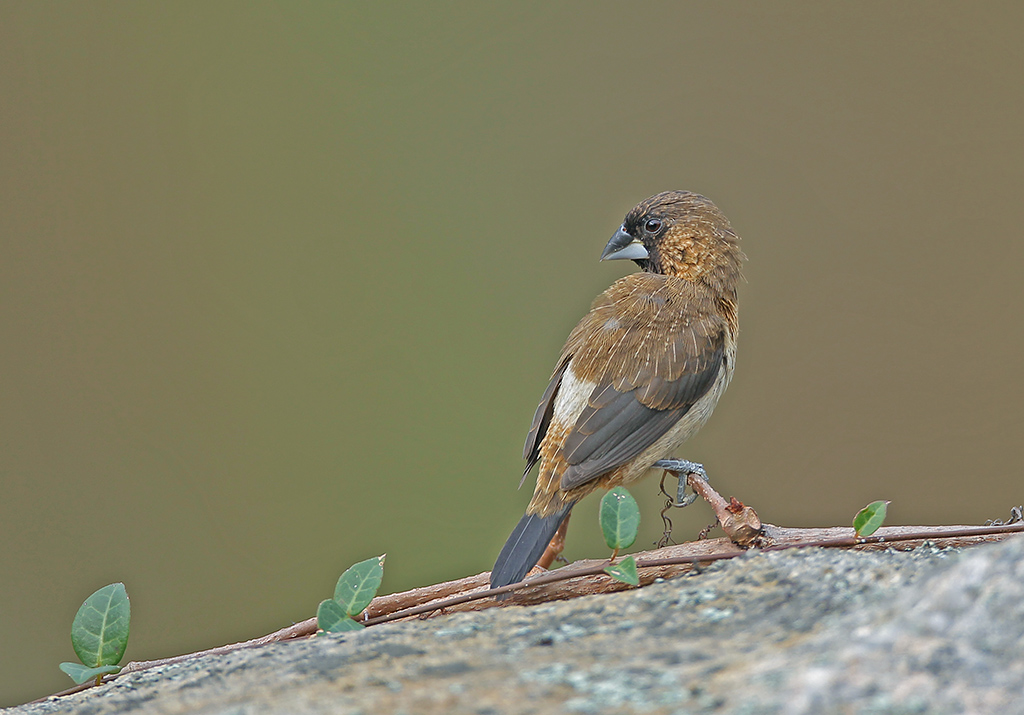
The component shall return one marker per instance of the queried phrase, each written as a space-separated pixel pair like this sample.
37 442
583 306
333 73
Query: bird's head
681 234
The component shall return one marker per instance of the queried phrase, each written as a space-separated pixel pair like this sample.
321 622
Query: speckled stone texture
807 631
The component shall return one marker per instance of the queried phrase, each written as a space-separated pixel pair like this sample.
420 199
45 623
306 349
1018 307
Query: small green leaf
79 673
620 518
870 518
359 584
332 618
624 571
99 633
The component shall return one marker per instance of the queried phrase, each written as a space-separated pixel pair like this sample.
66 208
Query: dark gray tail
525 546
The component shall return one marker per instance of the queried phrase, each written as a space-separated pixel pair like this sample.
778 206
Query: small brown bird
640 374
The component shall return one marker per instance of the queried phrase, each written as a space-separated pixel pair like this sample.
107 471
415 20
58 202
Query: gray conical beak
625 246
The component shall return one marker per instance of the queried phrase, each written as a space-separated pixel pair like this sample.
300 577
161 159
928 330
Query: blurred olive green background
281 284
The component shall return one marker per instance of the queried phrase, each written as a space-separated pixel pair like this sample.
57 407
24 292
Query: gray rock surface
809 631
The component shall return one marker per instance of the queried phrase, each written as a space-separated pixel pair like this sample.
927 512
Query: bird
639 374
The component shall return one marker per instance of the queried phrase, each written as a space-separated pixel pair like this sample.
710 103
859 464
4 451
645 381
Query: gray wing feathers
541 420
617 426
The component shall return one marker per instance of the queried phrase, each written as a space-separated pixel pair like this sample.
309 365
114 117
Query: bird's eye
653 225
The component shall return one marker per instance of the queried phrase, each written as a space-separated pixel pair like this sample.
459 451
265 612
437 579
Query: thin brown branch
739 522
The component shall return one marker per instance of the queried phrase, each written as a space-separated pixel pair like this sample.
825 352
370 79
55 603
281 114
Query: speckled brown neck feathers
695 241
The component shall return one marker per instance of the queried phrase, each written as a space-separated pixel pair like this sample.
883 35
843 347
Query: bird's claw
682 498
681 467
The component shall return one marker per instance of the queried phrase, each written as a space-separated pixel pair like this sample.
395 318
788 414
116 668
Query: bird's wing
652 353
542 418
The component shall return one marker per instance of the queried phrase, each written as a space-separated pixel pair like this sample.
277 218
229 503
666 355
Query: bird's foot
682 468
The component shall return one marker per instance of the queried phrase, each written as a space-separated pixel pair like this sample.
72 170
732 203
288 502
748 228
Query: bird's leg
681 467
556 546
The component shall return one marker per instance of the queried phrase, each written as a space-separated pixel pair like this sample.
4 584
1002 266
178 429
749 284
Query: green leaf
79 673
331 617
99 633
620 518
359 584
624 571
870 518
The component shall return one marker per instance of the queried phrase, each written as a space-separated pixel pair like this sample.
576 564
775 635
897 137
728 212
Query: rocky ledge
802 631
